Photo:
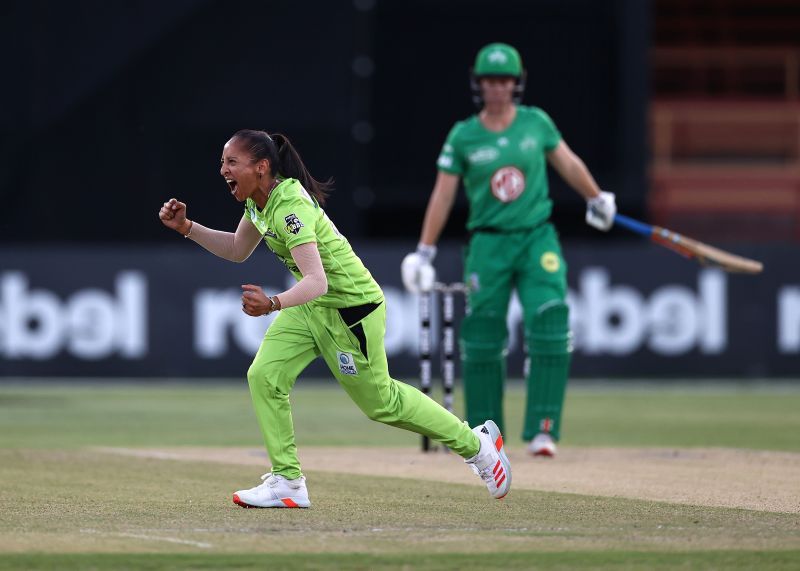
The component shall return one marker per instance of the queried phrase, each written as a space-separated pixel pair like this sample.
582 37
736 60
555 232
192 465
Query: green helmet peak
498 59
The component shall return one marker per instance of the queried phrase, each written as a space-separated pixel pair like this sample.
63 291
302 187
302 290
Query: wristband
191 227
276 304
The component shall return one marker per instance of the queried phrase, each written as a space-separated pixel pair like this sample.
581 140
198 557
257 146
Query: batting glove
417 271
600 211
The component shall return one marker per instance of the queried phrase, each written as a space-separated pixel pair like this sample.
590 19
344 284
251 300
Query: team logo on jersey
550 262
270 233
293 223
528 143
502 142
507 184
347 366
483 155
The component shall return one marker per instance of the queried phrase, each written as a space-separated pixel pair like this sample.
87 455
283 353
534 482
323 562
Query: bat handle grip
633 225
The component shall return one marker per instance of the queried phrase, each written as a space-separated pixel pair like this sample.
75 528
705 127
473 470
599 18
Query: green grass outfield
64 505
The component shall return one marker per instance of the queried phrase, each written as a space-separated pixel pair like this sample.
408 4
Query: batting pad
549 344
483 367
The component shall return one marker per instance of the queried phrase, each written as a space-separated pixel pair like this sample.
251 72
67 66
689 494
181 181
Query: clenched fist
173 215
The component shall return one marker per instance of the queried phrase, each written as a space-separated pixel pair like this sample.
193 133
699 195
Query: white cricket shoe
542 445
275 492
491 462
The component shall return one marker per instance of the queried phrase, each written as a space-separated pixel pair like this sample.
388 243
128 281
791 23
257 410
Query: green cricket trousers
350 340
531 262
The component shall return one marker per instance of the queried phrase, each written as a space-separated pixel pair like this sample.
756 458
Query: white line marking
150 538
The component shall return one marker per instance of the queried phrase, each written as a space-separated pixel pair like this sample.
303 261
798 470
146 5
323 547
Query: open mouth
232 184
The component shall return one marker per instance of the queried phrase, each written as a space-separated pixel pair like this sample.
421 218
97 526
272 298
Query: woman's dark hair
283 159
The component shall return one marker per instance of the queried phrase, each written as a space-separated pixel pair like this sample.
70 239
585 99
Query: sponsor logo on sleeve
347 365
293 223
445 161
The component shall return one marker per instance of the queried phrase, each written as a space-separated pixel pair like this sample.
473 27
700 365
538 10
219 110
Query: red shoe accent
496 466
289 503
500 474
239 502
503 479
499 442
544 452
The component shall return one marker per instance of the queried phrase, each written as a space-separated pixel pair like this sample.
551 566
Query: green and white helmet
497 60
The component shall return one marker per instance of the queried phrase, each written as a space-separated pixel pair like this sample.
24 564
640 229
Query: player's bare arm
573 170
313 284
601 206
233 246
439 207
417 269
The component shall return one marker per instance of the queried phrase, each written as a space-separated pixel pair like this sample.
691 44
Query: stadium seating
725 120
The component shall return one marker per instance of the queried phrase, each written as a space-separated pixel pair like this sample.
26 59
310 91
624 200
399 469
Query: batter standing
336 310
501 154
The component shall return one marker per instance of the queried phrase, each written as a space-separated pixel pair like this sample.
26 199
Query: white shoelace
485 474
272 480
269 480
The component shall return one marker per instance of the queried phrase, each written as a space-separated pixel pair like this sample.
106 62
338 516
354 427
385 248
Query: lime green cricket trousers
350 340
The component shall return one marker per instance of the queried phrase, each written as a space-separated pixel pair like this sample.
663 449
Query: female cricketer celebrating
336 310
500 154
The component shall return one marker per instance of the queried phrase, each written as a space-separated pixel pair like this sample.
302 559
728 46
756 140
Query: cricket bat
691 248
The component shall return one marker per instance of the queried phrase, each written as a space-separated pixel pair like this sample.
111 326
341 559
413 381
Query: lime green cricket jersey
292 217
504 173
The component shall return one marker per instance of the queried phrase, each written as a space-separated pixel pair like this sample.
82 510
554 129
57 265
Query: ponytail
283 159
292 166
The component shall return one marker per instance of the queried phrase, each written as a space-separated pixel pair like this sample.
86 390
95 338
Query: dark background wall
108 108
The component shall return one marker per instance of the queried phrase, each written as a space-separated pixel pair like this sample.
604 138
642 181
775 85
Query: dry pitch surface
749 479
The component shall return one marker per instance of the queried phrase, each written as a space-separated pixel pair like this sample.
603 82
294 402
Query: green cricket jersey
504 173
292 217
